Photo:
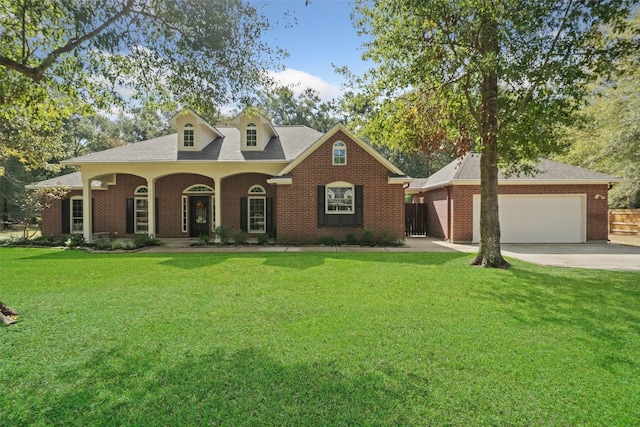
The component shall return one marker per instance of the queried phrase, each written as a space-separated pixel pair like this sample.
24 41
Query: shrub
144 240
328 241
203 240
102 243
75 240
128 245
367 237
116 244
224 233
388 238
351 239
240 237
284 240
263 239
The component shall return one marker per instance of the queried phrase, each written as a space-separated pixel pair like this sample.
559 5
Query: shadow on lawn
300 261
601 306
247 387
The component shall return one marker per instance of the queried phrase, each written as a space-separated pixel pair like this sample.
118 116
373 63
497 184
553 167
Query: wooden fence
625 222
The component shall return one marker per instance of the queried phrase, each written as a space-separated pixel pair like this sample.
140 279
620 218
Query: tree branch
36 73
527 98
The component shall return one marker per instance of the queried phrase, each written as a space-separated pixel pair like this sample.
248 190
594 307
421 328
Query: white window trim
251 126
185 214
333 153
71 217
339 184
141 190
264 209
257 189
213 212
135 215
192 129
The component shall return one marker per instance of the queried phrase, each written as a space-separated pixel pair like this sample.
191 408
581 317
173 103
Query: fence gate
415 219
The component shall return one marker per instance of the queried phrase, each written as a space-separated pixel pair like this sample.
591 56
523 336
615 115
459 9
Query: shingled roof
466 170
290 143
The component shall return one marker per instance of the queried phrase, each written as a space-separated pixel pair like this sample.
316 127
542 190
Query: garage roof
466 171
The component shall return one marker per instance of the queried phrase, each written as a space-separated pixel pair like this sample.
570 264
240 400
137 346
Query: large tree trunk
489 254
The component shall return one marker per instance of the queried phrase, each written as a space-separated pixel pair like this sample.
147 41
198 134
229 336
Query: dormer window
252 135
188 135
339 153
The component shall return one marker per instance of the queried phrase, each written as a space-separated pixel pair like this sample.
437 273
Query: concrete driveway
601 256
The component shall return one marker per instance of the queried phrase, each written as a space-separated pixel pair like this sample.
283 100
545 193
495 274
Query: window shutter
270 220
157 216
93 217
244 221
66 216
321 213
359 207
130 216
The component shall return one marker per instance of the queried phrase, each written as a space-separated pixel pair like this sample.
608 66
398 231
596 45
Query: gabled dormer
255 130
194 133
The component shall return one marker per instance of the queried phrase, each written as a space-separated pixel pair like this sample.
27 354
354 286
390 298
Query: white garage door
538 218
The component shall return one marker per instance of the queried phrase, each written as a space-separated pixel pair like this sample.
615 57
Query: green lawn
314 339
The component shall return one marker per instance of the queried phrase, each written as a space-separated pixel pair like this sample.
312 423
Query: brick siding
297 204
462 208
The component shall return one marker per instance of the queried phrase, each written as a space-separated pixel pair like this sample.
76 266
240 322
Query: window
141 215
76 216
339 153
257 210
188 135
185 212
252 135
339 198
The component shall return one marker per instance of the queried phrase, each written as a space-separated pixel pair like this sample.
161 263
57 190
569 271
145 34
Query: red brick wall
437 212
462 206
296 215
169 193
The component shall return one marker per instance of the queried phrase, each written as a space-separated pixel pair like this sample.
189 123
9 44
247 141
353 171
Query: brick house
276 180
559 203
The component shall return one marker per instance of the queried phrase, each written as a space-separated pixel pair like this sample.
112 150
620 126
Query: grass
314 339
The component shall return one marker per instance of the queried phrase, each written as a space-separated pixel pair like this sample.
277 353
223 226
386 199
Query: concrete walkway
602 256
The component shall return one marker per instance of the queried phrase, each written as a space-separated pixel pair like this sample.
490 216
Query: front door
199 216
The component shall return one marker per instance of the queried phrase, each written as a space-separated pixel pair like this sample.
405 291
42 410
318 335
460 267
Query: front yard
314 339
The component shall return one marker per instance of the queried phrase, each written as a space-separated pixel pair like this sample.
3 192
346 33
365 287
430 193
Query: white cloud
300 80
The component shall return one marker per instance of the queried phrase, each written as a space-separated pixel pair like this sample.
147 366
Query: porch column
87 220
151 207
218 206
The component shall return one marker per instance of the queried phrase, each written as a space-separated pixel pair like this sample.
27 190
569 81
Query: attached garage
559 203
535 218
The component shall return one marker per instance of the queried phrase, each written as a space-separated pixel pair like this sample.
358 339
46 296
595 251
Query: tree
201 53
498 76
607 138
283 107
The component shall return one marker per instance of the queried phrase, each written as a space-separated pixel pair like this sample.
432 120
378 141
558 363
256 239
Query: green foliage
425 91
351 239
607 139
498 77
240 237
283 107
328 241
203 240
144 240
368 237
58 57
224 233
388 238
75 240
263 239
309 339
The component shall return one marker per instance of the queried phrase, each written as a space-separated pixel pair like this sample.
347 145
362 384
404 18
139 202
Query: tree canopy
498 77
57 55
607 138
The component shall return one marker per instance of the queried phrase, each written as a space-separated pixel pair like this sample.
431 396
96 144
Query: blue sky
324 35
